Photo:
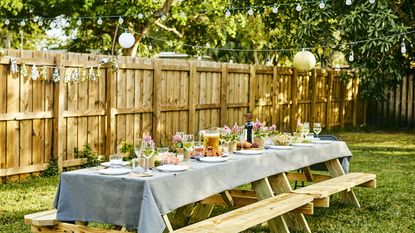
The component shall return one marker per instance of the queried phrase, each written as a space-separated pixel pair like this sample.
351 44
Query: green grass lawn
389 208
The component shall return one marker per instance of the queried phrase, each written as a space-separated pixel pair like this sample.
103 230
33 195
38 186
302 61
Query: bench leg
335 169
263 190
168 228
296 221
182 215
201 212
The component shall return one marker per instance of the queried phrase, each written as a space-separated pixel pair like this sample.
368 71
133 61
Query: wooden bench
323 190
253 214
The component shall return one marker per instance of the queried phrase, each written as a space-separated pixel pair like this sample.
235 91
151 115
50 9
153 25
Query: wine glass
306 128
148 151
317 128
242 135
138 143
188 142
225 136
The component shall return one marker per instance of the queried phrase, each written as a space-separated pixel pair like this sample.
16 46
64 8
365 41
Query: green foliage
89 157
128 150
52 170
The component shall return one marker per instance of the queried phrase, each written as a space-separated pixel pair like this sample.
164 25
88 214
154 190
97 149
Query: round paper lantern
126 40
304 61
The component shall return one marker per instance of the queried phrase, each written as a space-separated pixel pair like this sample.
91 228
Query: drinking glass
136 165
148 151
162 150
317 128
306 128
225 136
188 142
138 143
116 160
242 135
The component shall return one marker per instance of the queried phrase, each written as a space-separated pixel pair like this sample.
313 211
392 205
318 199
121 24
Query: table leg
169 228
201 212
263 190
182 215
335 169
295 221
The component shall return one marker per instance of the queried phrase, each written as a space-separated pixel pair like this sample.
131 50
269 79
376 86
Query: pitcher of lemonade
211 139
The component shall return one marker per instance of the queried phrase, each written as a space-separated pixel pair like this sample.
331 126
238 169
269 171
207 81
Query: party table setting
138 194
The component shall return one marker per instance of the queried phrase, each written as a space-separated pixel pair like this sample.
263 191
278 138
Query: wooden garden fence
398 109
40 120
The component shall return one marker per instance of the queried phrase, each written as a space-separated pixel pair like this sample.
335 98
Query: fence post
410 99
252 78
329 99
223 95
342 102
156 100
355 100
275 101
191 97
404 97
58 107
110 142
313 97
294 98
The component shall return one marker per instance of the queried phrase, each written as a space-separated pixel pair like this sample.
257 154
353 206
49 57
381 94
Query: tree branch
174 30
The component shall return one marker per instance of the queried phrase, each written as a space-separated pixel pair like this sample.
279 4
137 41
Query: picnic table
142 202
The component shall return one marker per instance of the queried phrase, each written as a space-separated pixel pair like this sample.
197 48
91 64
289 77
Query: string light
275 9
79 22
99 21
40 22
163 17
250 11
231 60
182 15
351 56
227 13
6 22
199 58
298 7
348 2
322 5
23 23
140 16
120 20
372 1
403 47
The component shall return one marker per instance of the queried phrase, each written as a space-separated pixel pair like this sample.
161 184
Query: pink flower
235 128
257 125
148 138
273 127
177 139
227 129
299 125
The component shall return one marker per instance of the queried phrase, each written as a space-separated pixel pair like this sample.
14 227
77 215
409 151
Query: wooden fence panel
42 119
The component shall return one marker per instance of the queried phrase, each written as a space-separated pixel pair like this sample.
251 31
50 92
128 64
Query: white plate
249 152
302 144
322 142
280 147
214 159
172 168
114 171
107 164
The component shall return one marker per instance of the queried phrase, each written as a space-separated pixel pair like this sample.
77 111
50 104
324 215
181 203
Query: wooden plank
192 98
182 215
82 120
335 169
329 100
66 227
201 212
72 162
342 108
223 95
404 97
156 101
410 100
295 221
58 123
252 82
294 176
23 169
29 217
275 91
313 107
166 220
294 96
355 100
263 191
111 120
28 60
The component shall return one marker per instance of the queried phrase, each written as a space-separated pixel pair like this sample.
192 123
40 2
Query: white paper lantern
304 61
126 40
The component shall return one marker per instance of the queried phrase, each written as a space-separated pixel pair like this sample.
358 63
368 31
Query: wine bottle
249 126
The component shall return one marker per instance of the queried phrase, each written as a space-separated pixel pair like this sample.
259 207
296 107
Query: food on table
167 158
281 140
207 152
211 140
247 145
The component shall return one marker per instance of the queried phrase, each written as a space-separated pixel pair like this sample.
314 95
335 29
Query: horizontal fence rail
40 120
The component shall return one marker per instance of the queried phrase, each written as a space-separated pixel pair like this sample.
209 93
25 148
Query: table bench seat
338 184
241 219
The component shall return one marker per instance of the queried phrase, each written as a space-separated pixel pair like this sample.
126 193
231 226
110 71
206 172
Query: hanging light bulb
351 56
163 17
99 21
298 7
6 22
372 1
199 58
227 13
403 47
120 20
79 22
275 9
35 19
40 22
150 47
322 4
140 16
348 2
268 62
126 40
231 60
182 15
250 11
23 23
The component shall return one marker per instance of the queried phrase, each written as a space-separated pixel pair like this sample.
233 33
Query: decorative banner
23 71
13 67
115 66
56 75
67 77
35 73
84 77
92 74
99 72
75 76
44 73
